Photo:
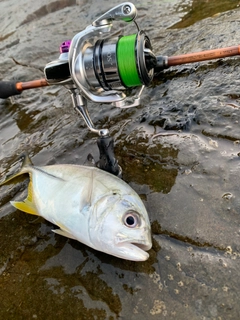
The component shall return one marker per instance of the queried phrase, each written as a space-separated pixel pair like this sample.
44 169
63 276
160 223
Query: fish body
89 205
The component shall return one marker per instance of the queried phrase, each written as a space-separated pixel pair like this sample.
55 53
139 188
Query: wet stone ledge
179 150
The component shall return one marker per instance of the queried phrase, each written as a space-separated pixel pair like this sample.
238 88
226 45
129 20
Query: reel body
100 66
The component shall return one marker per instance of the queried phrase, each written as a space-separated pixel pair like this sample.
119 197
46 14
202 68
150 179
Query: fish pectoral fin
64 233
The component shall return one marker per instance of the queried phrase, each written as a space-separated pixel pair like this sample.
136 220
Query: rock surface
179 150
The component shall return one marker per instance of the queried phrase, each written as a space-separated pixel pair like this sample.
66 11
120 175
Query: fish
89 205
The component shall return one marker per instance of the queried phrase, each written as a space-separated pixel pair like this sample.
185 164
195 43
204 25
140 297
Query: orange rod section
31 84
203 55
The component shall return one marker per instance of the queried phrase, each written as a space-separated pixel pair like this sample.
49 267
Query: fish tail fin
26 205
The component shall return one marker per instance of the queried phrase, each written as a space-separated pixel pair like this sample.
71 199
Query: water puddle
201 9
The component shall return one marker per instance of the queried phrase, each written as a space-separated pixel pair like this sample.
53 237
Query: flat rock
179 150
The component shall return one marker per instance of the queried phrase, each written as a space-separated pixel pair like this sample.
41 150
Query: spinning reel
99 66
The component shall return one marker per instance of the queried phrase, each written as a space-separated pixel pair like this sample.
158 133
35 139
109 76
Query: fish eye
131 219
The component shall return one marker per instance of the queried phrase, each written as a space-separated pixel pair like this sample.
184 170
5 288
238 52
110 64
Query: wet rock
179 150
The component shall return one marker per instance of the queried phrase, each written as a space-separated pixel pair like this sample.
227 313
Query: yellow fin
30 190
27 205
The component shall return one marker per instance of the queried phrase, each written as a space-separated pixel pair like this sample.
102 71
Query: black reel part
107 160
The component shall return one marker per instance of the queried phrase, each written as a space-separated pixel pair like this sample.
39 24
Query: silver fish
88 205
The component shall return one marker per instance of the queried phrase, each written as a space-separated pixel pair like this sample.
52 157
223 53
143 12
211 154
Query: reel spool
117 64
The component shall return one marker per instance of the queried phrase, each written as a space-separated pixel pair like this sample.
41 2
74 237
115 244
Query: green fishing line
126 59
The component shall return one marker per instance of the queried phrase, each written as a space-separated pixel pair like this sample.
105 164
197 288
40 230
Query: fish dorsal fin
25 168
64 233
27 205
26 161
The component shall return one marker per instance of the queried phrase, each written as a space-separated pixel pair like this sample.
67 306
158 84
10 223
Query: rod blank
203 55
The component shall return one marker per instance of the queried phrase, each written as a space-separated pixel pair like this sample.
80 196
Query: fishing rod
11 88
93 67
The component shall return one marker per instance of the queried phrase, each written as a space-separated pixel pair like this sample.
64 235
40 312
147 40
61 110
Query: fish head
120 226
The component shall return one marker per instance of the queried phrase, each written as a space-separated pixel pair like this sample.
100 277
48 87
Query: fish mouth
136 251
142 245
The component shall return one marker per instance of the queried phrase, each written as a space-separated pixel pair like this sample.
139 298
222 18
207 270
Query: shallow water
199 10
179 150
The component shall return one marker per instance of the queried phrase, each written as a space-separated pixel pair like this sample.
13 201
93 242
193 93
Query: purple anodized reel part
65 46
